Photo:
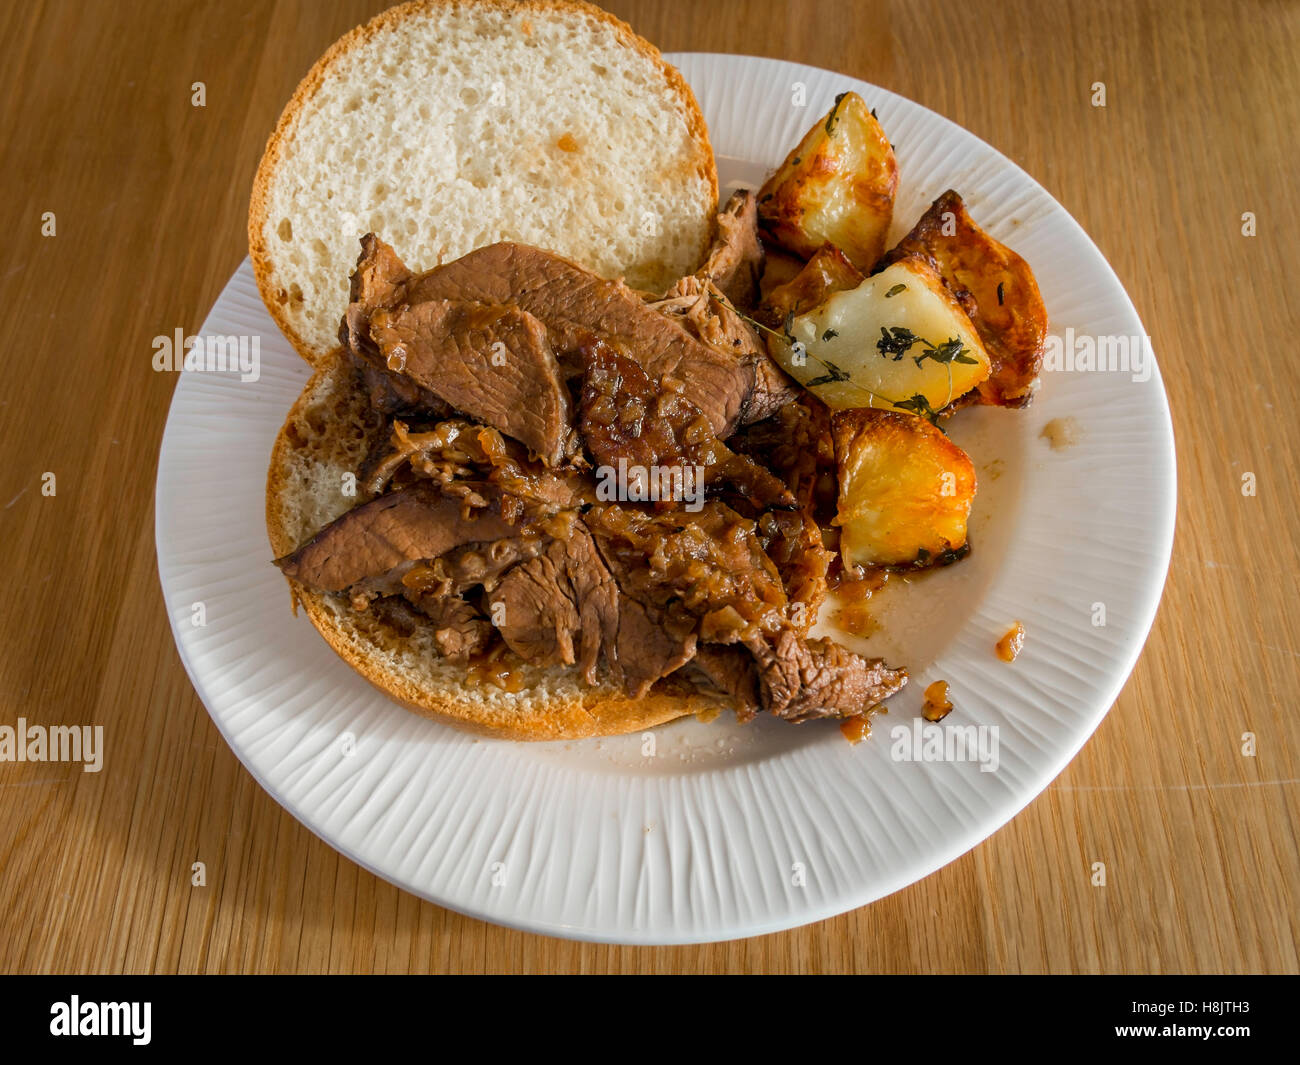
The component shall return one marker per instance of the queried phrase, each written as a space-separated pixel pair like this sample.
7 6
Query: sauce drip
856 728
1061 433
853 593
937 704
493 669
1010 644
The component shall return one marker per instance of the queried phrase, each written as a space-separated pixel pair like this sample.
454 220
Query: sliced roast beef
773 389
796 444
392 393
491 361
634 425
471 566
570 301
459 630
800 680
709 303
645 650
388 535
730 672
436 450
735 260
792 539
462 458
702 309
534 610
487 530
713 567
398 442
564 608
399 615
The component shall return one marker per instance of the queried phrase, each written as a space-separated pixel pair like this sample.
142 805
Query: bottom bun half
327 434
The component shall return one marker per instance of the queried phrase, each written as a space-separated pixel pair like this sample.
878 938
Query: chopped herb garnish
951 350
797 160
833 373
833 117
896 342
925 558
874 115
1000 284
919 406
830 333
900 287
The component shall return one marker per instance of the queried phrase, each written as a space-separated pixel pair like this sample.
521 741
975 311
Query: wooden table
149 196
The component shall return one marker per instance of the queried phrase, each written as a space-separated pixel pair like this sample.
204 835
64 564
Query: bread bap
445 125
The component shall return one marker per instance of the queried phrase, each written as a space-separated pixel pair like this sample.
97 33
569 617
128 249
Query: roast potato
828 271
997 289
779 267
899 339
838 185
905 490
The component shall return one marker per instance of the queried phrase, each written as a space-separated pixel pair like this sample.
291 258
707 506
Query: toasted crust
320 439
272 157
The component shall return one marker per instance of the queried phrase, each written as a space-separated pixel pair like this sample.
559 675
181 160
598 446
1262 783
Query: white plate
726 831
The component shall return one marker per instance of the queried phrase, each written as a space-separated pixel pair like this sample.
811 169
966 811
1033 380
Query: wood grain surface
150 194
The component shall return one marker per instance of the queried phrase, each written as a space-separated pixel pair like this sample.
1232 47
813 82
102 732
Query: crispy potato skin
905 490
973 265
836 187
828 271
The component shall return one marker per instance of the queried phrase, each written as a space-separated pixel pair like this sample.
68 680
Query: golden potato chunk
898 340
779 268
995 286
905 491
827 272
838 185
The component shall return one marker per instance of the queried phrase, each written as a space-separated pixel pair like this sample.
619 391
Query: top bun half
445 125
